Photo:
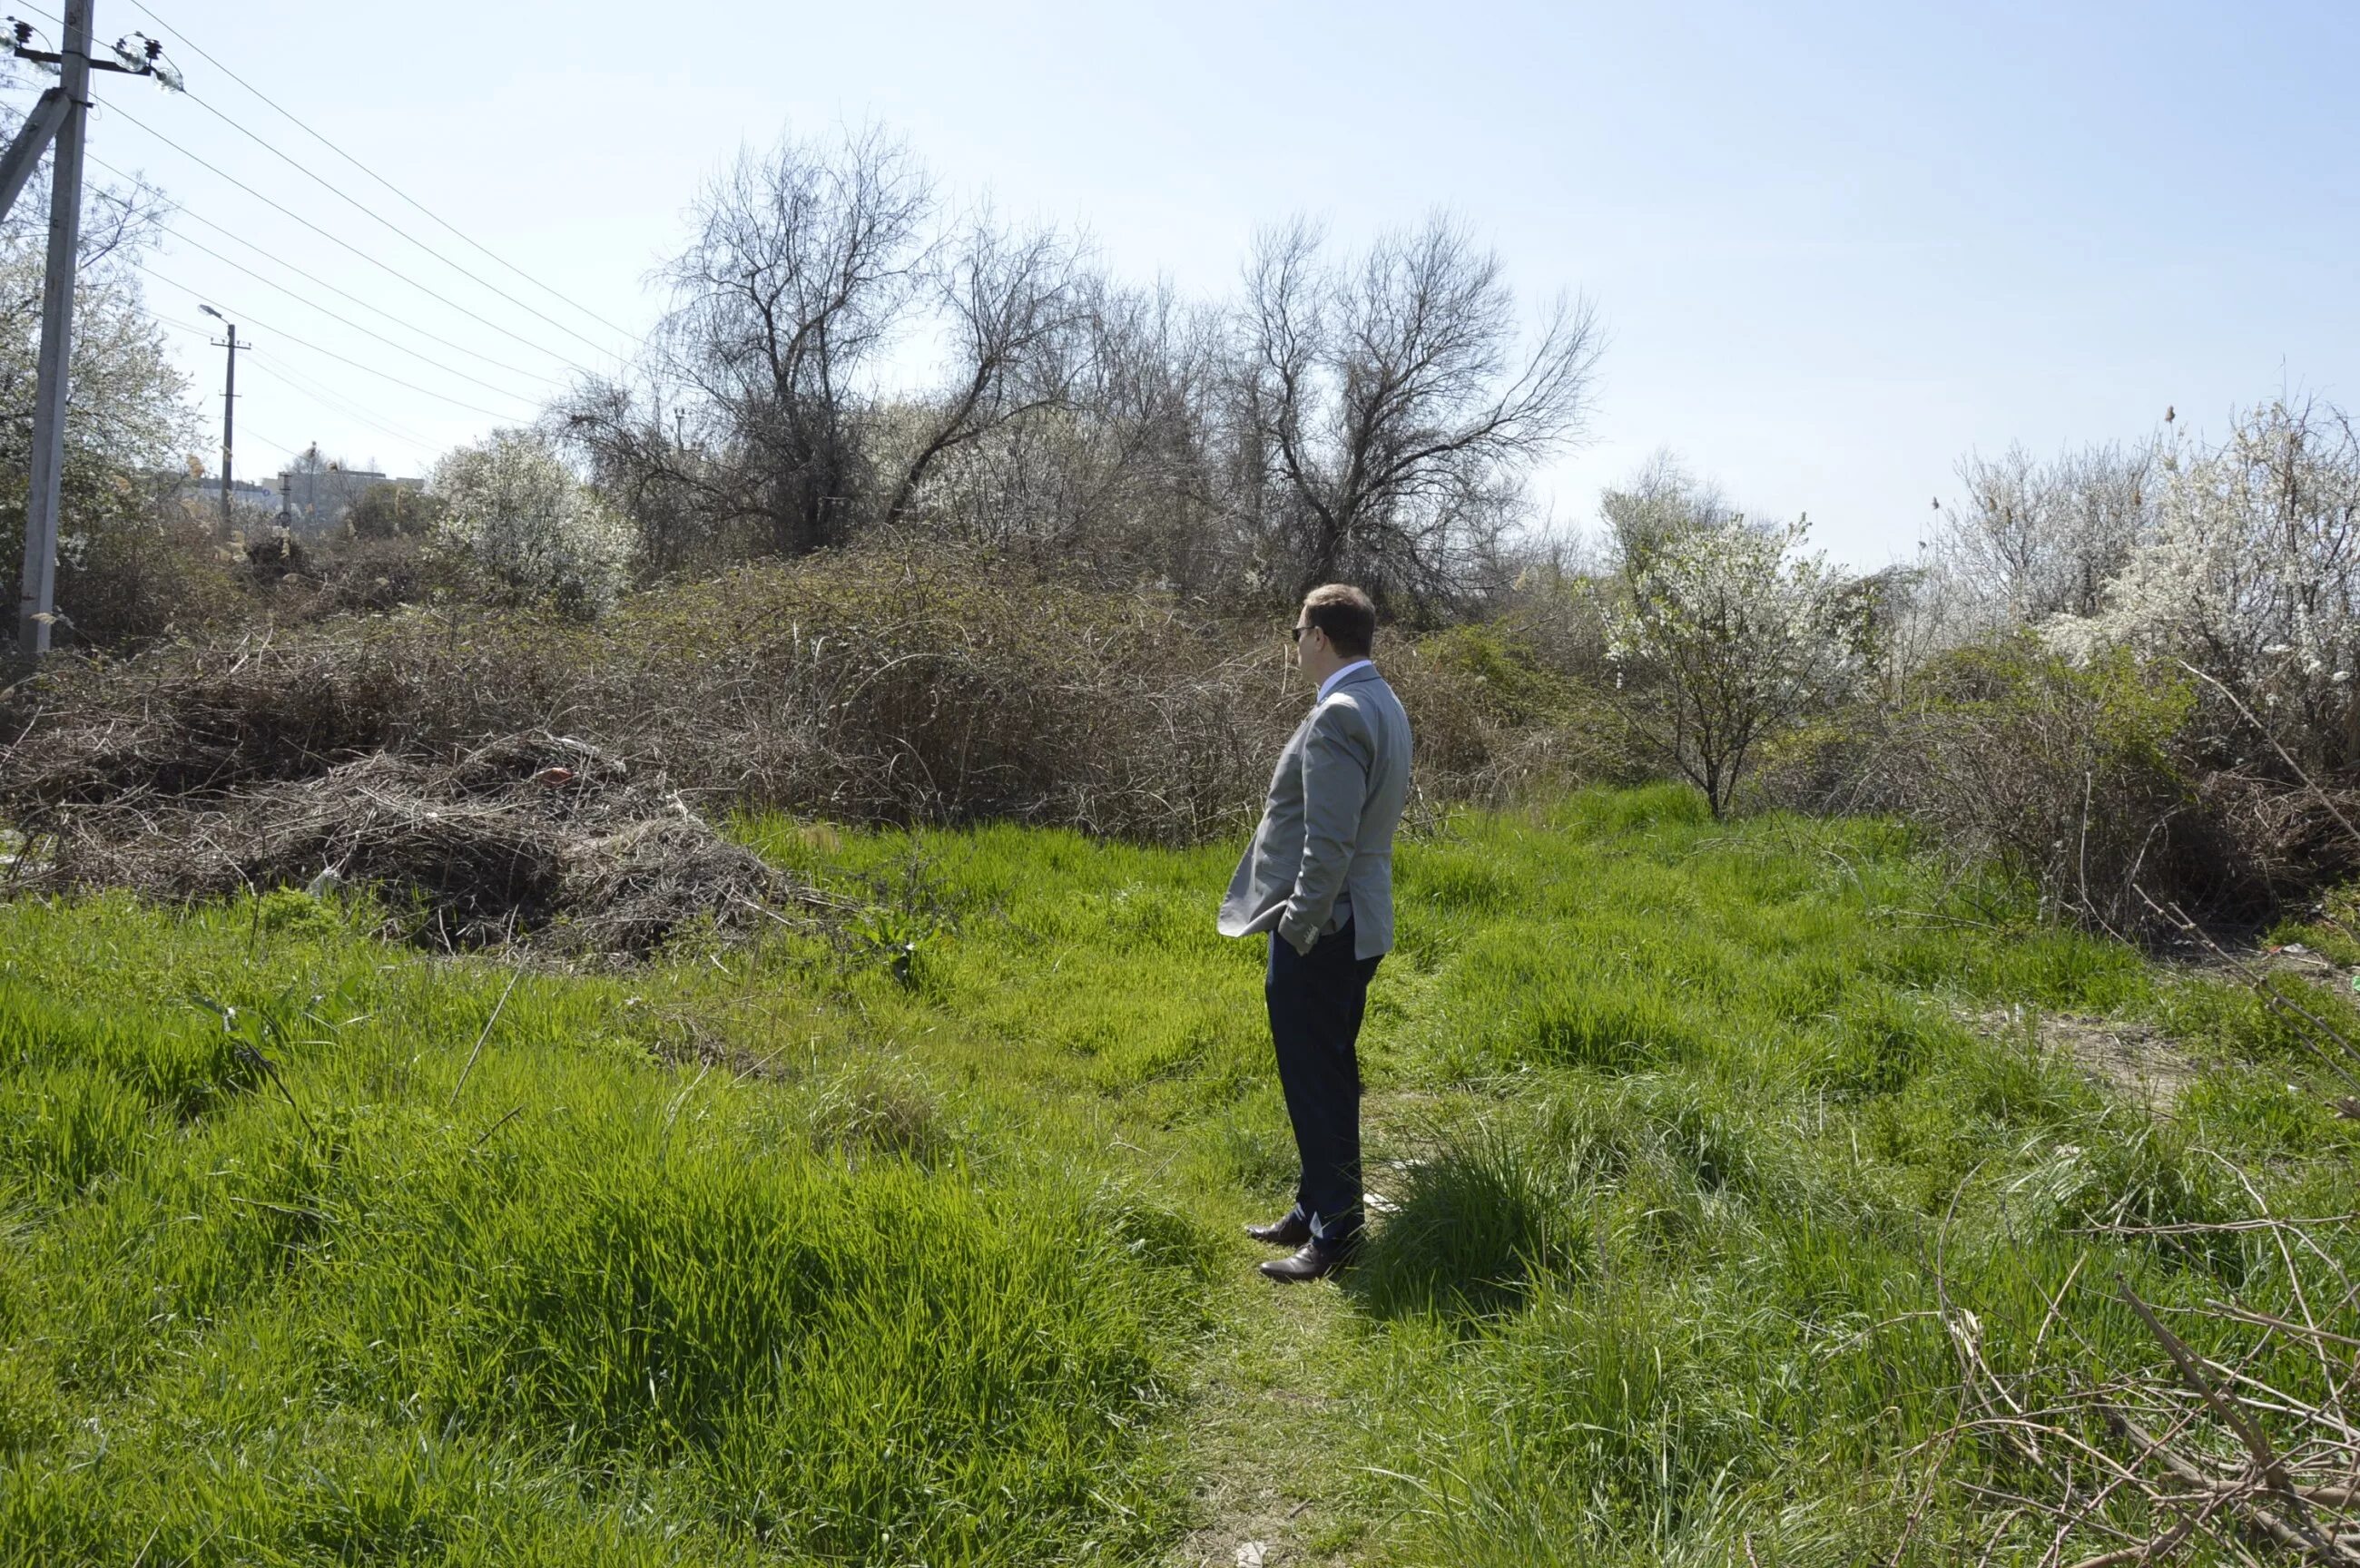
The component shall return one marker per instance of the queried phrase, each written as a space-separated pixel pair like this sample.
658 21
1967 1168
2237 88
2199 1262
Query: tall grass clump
1466 1227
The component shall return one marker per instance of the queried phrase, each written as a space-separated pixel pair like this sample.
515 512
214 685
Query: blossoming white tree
2038 539
2252 573
1727 632
515 511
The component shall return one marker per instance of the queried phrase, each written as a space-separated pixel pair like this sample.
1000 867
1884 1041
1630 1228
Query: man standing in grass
1320 878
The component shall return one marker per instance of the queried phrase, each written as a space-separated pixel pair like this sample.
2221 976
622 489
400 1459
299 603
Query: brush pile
2236 1443
468 764
534 834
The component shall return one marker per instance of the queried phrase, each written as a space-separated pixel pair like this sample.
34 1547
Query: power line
304 385
372 261
292 118
355 326
279 447
253 320
353 202
335 401
290 337
336 404
446 343
180 210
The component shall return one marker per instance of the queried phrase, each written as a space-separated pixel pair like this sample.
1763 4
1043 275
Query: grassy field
919 1245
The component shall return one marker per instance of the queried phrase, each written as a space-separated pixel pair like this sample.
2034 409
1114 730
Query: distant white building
316 493
245 495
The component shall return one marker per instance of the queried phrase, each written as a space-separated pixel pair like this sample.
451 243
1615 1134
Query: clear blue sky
1834 247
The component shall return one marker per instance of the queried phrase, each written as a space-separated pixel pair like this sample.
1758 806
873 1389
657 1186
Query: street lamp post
229 407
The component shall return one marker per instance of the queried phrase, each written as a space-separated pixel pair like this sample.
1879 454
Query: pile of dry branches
852 688
427 756
2236 1452
529 835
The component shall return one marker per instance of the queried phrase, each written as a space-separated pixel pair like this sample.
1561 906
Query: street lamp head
216 315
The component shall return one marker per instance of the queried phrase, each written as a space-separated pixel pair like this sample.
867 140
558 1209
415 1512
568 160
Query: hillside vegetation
1728 1170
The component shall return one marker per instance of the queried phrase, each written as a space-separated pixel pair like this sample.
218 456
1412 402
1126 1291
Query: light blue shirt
1334 680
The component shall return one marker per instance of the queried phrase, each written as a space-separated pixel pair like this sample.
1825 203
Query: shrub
394 511
2172 707
1497 718
514 511
126 580
2249 572
132 564
373 573
862 689
1730 634
2065 775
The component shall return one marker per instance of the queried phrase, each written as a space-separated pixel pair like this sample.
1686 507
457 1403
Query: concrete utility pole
229 410
35 602
63 113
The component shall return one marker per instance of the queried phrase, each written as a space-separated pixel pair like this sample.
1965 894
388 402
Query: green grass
919 1247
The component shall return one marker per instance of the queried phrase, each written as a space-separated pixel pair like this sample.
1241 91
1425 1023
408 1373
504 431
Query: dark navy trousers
1315 1002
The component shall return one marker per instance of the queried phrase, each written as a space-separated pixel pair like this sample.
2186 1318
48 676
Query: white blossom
2251 570
1743 631
517 512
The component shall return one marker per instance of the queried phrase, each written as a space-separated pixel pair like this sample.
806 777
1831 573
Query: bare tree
1391 408
1375 419
804 265
1116 473
1150 494
1013 303
680 497
760 421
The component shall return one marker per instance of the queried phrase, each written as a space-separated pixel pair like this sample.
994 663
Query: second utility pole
229 407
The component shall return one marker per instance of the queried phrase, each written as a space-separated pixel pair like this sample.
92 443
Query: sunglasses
1294 633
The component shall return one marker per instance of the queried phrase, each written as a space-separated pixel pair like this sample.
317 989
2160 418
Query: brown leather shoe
1314 1260
1292 1231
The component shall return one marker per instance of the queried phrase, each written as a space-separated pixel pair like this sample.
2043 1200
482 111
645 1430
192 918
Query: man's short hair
1348 616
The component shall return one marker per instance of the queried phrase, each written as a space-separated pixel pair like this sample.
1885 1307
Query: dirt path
2135 1060
1273 1434
1266 1432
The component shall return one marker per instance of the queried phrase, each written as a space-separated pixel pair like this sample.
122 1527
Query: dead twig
515 974
2265 1460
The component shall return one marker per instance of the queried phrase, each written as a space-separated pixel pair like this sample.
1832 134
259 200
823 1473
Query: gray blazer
1327 827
